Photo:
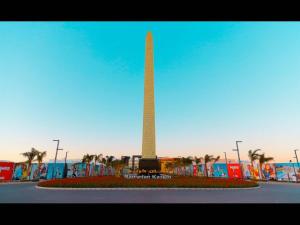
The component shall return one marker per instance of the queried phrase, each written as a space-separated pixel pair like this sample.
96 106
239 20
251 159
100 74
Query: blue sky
215 82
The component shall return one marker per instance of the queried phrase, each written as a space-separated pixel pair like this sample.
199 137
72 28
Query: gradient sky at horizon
215 82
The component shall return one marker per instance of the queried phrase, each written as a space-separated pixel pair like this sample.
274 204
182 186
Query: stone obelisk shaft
148 148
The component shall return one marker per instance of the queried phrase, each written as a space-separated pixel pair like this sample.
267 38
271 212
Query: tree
30 157
87 159
262 159
177 163
39 158
101 160
253 155
109 160
118 165
125 159
168 166
96 159
183 162
186 162
197 161
207 159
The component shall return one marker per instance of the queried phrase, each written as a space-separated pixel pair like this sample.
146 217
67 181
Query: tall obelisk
149 160
148 148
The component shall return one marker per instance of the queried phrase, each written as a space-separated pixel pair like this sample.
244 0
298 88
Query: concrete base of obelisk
147 166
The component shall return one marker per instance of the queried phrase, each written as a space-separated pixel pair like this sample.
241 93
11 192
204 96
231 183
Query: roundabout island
164 181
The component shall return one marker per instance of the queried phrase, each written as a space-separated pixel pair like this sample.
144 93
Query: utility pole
57 149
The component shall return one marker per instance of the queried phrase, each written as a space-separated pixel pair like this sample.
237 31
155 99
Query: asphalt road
267 193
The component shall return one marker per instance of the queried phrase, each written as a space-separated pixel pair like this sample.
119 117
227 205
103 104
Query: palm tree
183 164
207 159
186 162
168 166
103 162
100 159
39 158
178 163
30 157
253 155
125 160
262 159
96 159
198 160
118 165
87 159
109 160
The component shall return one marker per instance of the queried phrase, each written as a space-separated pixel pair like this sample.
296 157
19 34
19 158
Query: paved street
268 193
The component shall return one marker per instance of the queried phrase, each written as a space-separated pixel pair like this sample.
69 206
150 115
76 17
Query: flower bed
111 181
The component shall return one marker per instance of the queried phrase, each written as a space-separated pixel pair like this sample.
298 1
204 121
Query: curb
272 182
25 182
131 189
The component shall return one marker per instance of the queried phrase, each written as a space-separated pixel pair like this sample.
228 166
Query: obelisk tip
149 35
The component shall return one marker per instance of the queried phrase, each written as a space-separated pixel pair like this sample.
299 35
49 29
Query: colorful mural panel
6 171
234 170
43 171
268 171
34 172
220 170
55 170
286 172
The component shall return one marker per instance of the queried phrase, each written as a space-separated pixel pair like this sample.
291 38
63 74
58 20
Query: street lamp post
238 153
226 163
66 157
65 174
296 156
225 158
294 170
57 149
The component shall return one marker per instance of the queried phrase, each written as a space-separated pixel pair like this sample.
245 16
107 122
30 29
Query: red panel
6 171
234 170
194 170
